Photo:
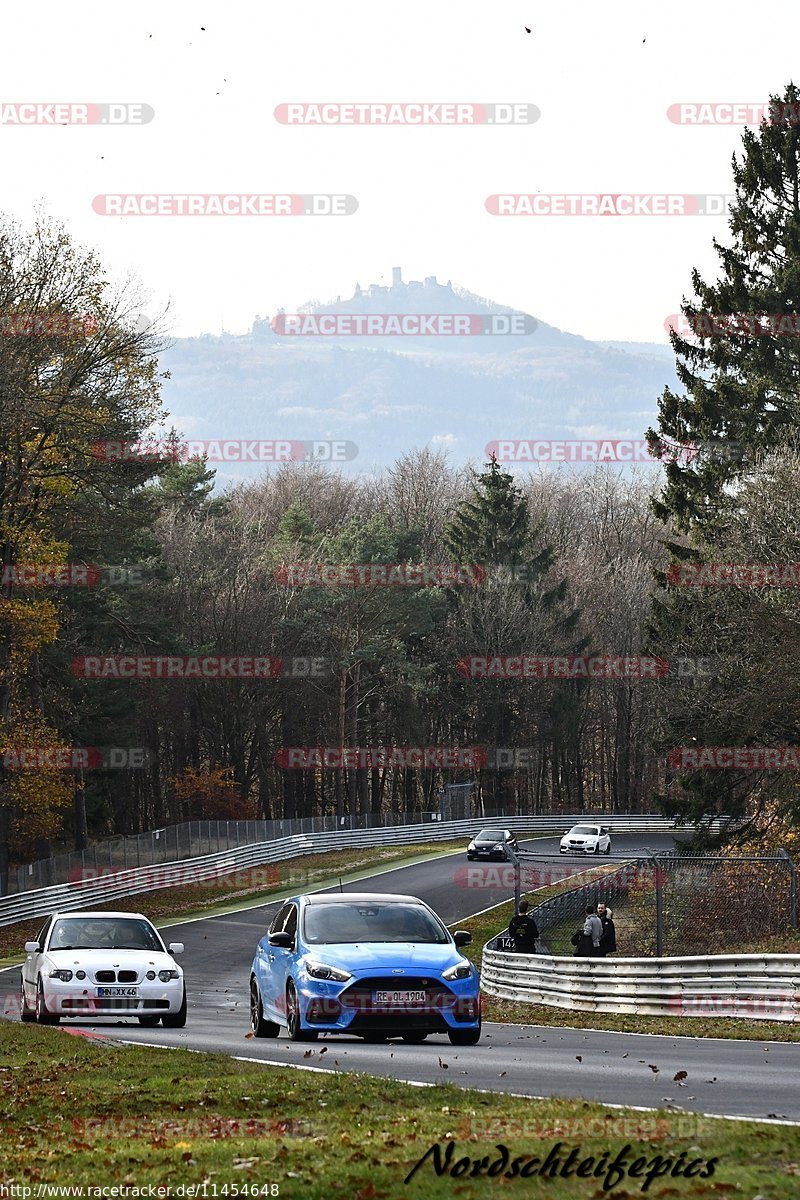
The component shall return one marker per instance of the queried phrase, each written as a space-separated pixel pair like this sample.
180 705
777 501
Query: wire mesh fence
695 904
667 903
193 839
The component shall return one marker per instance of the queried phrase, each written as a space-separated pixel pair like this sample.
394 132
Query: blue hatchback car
372 965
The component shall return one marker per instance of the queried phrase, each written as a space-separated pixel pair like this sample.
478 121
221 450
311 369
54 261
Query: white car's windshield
590 829
337 923
103 933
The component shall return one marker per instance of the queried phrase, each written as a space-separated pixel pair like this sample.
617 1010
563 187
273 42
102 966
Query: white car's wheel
176 1020
25 1013
43 1014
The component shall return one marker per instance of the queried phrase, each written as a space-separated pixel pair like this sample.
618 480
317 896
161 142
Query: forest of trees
569 563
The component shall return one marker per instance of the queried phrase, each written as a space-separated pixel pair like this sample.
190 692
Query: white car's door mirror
32 947
175 947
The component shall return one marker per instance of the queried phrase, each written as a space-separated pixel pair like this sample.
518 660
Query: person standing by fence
524 930
608 938
588 943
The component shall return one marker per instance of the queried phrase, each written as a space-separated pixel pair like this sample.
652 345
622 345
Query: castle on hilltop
377 289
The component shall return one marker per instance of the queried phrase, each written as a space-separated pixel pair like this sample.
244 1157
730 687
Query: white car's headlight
318 970
461 970
171 973
61 973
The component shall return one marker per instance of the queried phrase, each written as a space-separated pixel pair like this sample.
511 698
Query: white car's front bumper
79 998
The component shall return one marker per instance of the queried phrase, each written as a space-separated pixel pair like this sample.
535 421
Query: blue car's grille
423 1014
432 1022
360 995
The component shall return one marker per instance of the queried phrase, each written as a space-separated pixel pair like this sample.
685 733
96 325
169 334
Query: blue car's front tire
293 1022
464 1037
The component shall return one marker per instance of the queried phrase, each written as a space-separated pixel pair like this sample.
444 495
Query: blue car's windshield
337 923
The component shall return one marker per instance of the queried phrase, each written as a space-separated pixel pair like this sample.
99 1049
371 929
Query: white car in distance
102 964
587 839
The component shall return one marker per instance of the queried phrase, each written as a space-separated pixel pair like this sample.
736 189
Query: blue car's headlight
319 970
461 970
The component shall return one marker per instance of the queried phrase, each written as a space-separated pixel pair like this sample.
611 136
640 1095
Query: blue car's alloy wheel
259 1026
464 1037
293 1017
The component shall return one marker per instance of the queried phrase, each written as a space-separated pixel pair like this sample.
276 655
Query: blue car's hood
372 956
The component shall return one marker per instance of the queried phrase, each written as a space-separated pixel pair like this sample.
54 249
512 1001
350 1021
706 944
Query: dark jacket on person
585 946
608 938
524 930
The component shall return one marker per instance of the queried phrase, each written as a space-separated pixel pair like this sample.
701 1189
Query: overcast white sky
602 91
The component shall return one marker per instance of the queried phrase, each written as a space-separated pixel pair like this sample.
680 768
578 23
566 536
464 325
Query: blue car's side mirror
462 937
285 940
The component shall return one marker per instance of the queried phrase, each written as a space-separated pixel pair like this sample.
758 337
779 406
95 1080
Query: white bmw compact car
102 964
587 839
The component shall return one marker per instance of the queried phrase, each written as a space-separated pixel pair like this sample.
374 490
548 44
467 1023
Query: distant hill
390 393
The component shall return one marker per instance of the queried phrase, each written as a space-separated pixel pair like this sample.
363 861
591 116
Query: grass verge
94 1113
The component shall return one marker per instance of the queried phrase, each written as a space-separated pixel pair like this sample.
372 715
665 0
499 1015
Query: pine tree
740 367
492 527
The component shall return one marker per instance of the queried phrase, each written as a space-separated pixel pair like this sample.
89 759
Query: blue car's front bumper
352 1007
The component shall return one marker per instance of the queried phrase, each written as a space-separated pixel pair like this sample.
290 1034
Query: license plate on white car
103 993
414 997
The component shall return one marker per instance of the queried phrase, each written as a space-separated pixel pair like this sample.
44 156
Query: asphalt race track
746 1079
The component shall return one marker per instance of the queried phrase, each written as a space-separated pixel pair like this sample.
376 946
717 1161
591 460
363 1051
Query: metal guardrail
194 839
756 986
117 884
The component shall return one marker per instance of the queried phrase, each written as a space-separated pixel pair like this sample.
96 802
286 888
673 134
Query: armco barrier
121 883
756 986
195 839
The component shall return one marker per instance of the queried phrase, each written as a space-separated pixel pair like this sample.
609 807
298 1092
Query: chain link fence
667 904
693 904
193 839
